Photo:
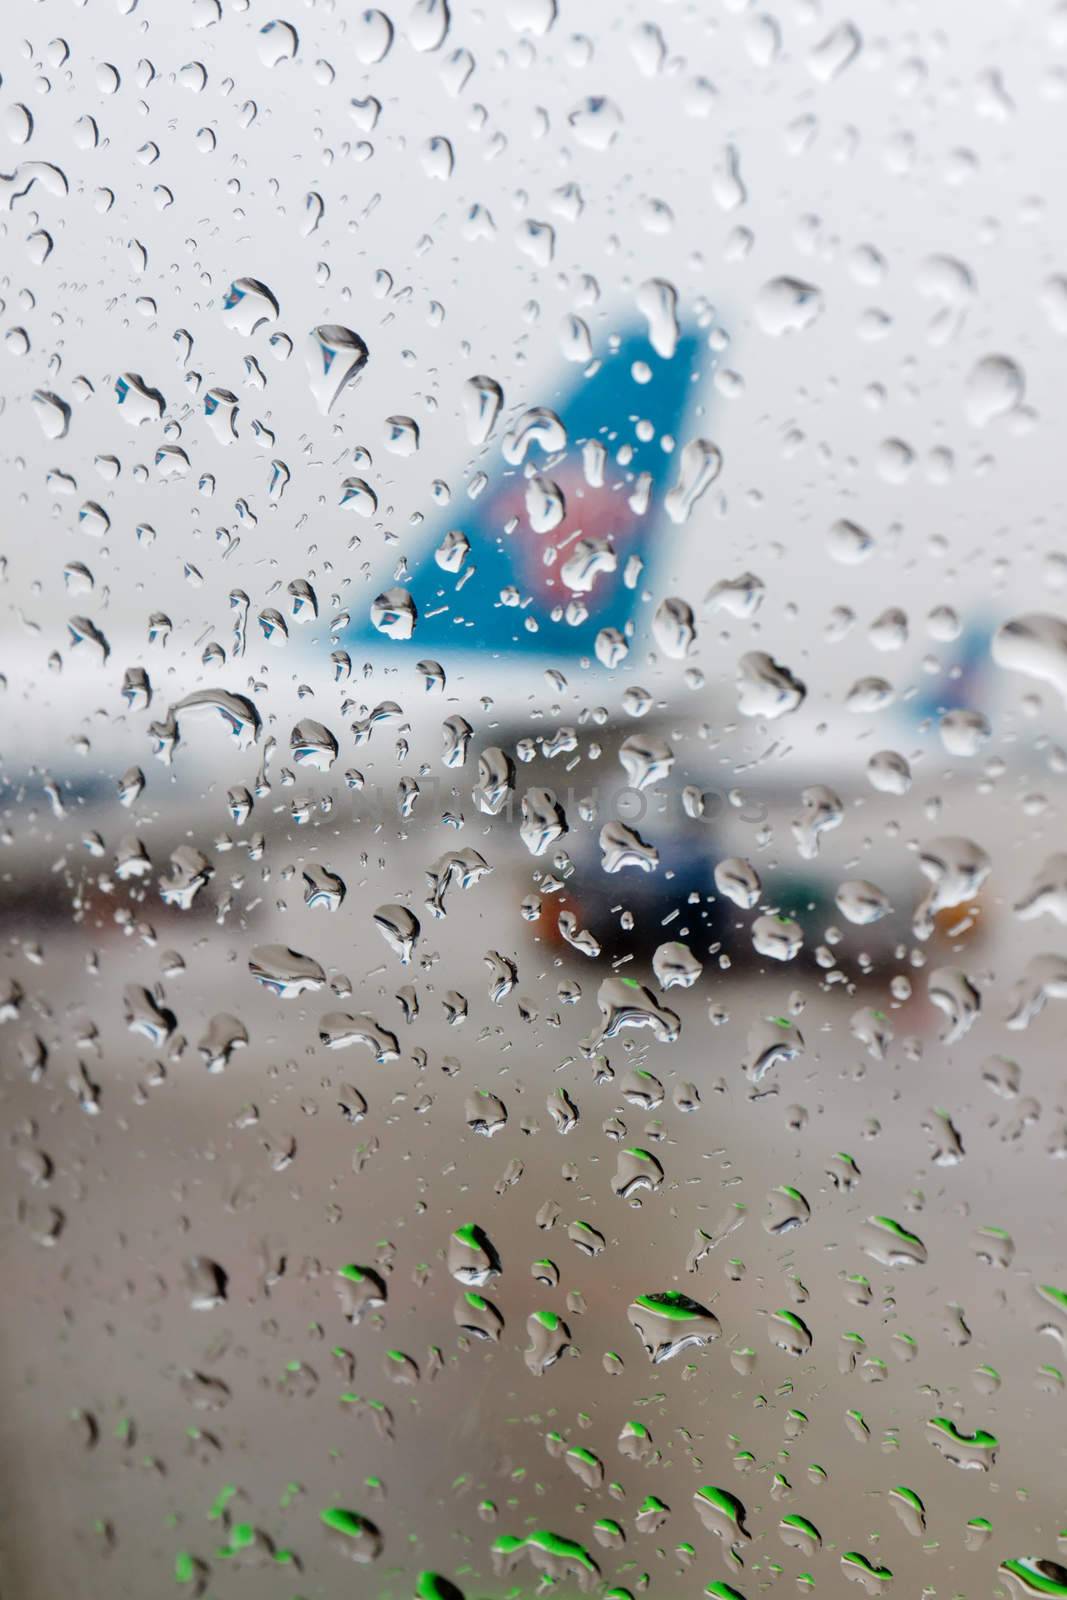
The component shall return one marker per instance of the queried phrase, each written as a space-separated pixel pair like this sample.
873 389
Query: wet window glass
532 787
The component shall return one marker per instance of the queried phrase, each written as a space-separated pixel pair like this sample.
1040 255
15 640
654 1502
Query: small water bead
786 1209
957 868
249 305
657 300
313 745
857 1567
647 759
361 1290
205 1282
400 929
777 937
482 400
857 1426
943 624
550 1339
624 1003
539 426
996 385
351 1103
139 400
587 1467
622 847
339 1030
889 630
1035 645
237 714
1046 893
485 1113
799 1533
843 1171
358 496
741 597
546 1272
674 627
848 543
1030 1576
701 463
954 994
438 158
675 966
335 357
910 1509
1044 978
285 972
891 1244
478 1318
963 733
52 413
435 1586
372 37
868 695
394 613
993 1246
861 902
562 1110
765 688
669 1322
589 1240
739 881
975 1451
835 52
611 648
723 1514
190 872
472 1257
888 772
352 1535
596 123
787 305
636 1170
946 1146
772 1042
842 619
789 1333
873 1029
543 820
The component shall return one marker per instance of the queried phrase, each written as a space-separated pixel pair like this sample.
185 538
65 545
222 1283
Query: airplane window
533 931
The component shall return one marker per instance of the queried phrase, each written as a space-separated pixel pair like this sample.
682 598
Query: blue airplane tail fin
599 499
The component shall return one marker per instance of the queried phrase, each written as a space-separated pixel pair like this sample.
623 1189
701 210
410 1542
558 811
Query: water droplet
596 122
248 305
700 465
277 42
669 1322
995 387
787 305
285 972
335 357
482 401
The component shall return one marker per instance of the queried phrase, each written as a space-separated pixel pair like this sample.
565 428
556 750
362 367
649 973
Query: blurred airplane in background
492 599
525 593
556 536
